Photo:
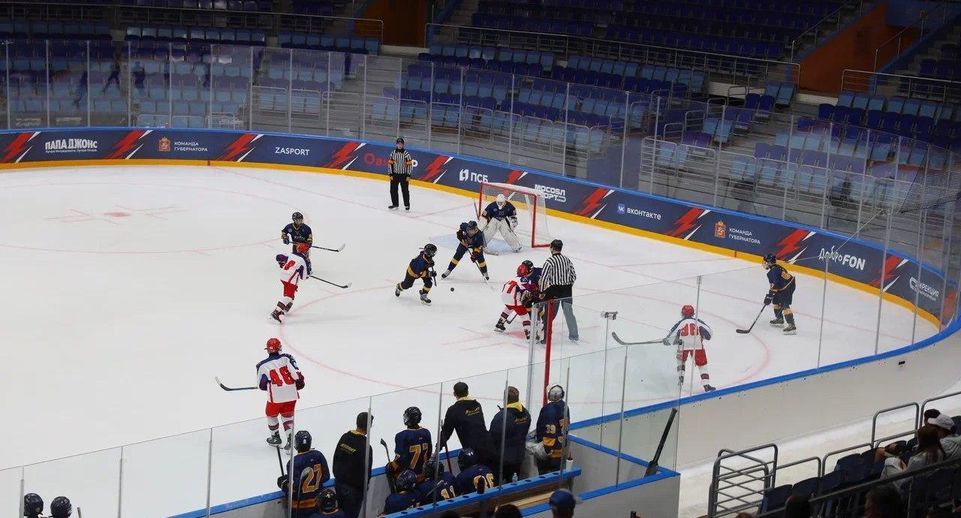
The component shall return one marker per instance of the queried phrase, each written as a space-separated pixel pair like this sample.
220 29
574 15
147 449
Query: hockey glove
282 483
769 298
286 240
666 340
678 341
512 221
299 383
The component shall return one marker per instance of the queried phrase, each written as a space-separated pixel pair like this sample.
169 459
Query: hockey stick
341 286
653 465
748 330
390 479
622 342
341 249
280 461
449 468
230 389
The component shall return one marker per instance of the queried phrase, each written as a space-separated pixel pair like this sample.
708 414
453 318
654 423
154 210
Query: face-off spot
117 214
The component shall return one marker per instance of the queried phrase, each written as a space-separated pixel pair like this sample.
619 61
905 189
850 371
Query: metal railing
727 67
825 26
892 47
880 83
740 478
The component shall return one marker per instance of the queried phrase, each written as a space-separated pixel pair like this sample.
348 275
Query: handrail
904 406
595 42
836 13
924 404
900 34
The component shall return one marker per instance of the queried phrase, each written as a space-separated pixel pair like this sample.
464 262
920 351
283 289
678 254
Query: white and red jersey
691 333
513 291
278 375
294 270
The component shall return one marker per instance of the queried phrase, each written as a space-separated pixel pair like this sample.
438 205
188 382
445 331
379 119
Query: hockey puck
451 288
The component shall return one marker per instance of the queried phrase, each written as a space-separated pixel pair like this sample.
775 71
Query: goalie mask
500 200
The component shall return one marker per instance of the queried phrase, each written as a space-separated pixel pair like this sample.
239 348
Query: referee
399 166
557 282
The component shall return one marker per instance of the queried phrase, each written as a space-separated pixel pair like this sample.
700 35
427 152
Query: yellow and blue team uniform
420 267
430 491
469 480
413 449
297 234
552 424
469 243
397 502
310 474
781 295
492 211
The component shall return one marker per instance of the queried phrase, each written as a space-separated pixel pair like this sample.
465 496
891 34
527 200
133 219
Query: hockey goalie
500 216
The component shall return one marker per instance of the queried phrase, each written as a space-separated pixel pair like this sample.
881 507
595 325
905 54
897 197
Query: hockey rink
127 289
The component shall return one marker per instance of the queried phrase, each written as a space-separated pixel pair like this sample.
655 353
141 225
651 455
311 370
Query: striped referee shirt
558 270
402 157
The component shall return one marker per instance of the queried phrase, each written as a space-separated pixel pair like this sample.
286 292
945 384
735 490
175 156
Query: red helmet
687 311
525 268
302 248
273 345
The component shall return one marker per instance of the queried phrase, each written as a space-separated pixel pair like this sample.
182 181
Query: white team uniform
512 294
294 270
501 220
282 373
689 334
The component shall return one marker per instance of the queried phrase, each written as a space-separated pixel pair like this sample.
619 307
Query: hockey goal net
531 210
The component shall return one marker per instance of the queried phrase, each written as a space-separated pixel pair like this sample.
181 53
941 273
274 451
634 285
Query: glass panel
10 497
271 103
342 114
70 81
91 481
315 77
28 84
177 463
229 93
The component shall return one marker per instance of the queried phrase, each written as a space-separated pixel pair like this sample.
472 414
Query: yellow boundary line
931 318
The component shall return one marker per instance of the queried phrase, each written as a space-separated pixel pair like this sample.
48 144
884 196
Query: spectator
466 417
891 456
61 507
32 505
139 76
513 430
81 89
551 432
507 511
950 442
931 413
797 506
352 460
883 502
327 506
306 490
114 76
405 497
557 282
929 448
562 504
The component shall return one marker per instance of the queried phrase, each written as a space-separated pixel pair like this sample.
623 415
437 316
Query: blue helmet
471 225
60 507
328 501
406 480
431 467
463 227
302 440
466 458
32 505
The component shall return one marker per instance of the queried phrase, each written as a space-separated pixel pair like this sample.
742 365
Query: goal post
531 210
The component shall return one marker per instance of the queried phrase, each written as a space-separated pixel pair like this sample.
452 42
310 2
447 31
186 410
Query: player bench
523 493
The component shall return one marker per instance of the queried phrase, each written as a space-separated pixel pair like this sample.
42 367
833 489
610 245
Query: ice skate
274 440
777 322
709 388
276 316
499 326
445 274
397 290
423 298
790 329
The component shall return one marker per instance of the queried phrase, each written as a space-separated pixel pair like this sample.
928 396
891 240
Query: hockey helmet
406 480
32 505
61 507
770 260
687 311
430 249
525 268
463 227
302 248
328 501
297 216
555 393
412 416
302 441
281 259
273 345
471 225
431 467
501 200
466 458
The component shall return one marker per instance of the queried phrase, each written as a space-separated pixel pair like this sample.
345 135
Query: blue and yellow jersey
470 480
439 490
552 424
309 474
779 278
419 267
298 233
412 447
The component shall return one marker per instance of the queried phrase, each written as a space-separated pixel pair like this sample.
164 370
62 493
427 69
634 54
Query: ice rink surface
127 289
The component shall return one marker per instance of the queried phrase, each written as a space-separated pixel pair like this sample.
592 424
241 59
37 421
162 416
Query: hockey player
309 474
279 376
412 446
405 497
518 295
327 506
551 432
689 334
438 484
501 216
61 507
420 267
473 475
469 239
32 505
294 268
297 232
780 294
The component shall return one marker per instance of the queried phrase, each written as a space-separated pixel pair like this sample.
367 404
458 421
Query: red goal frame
534 206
